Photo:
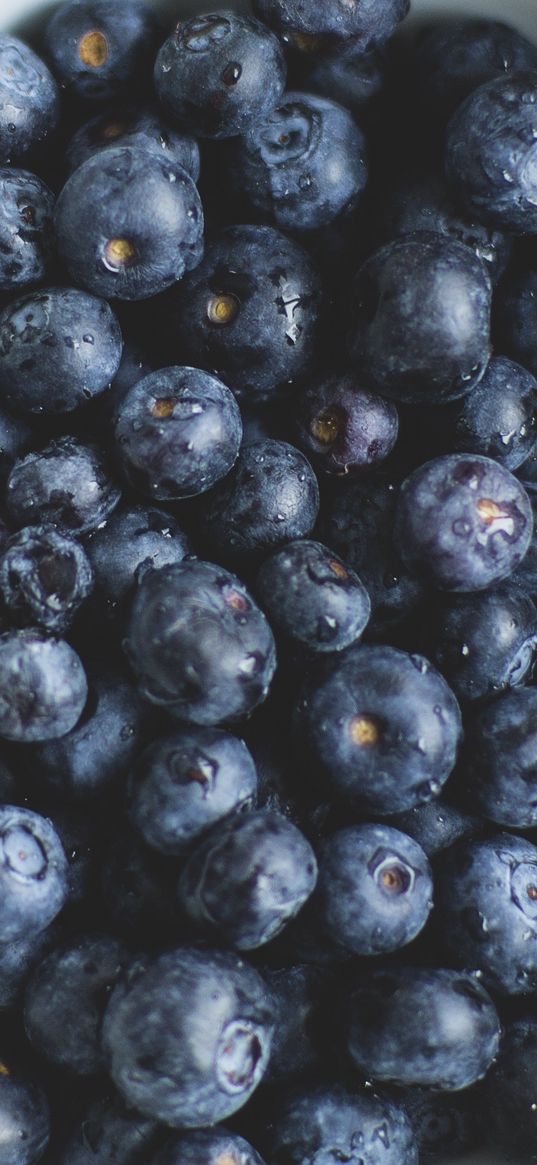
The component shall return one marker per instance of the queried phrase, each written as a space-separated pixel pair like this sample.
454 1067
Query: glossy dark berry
366 24
312 598
436 825
411 1025
29 102
188 1036
45 576
382 726
99 52
33 873
66 484
133 125
58 349
186 782
66 999
249 311
304 164
405 352
177 432
343 427
463 522
129 223
43 686
199 645
499 417
26 237
490 146
135 539
270 497
502 760
24 1119
248 878
219 74
110 1131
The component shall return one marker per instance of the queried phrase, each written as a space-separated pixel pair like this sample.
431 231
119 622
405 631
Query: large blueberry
67 484
29 102
133 125
43 686
33 873
100 51
135 539
45 576
502 759
26 235
371 22
343 427
499 417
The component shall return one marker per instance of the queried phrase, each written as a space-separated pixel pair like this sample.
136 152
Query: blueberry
299 994
486 912
188 1036
382 726
43 686
490 148
249 311
270 497
24 1119
66 484
110 1132
436 825
177 432
302 165
29 102
17 959
463 521
485 642
66 999
129 223
343 427
515 316
198 644
98 751
26 235
248 878
412 1025
499 417
328 1122
502 759
355 80
58 349
357 522
33 873
45 576
219 74
443 1118
133 125
420 319
100 52
312 598
507 1094
367 24
373 893
212 1146
186 782
135 539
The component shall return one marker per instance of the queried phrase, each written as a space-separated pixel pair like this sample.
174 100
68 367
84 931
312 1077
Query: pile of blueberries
268 586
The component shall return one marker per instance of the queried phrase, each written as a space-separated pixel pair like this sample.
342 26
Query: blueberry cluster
268 587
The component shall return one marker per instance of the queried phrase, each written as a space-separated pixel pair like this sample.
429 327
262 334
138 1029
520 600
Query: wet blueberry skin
44 578
367 24
312 598
99 52
344 428
141 126
118 1133
248 878
26 236
382 727
455 58
485 642
33 873
128 223
133 540
463 522
185 783
59 348
249 311
29 102
304 164
212 1146
419 327
66 484
490 153
188 1035
25 1119
436 825
412 1025
198 644
499 417
331 1122
217 75
373 893
65 1001
177 432
502 760
486 912
270 497
43 686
